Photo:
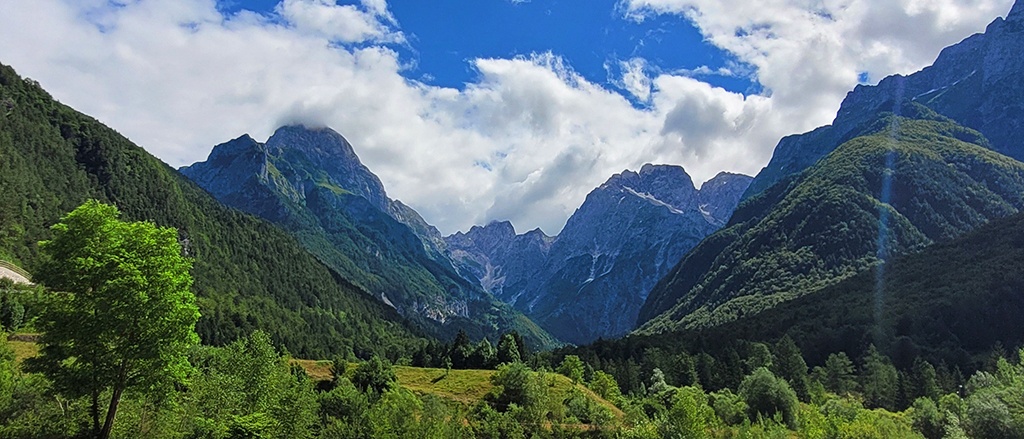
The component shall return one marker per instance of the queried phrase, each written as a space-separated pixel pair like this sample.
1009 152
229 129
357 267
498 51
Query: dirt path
10 274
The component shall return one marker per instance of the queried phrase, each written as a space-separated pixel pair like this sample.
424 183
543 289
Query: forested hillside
907 182
248 273
953 304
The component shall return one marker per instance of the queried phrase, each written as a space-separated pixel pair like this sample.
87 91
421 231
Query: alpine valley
868 282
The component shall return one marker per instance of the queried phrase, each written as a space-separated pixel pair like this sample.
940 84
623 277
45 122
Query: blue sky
443 36
479 110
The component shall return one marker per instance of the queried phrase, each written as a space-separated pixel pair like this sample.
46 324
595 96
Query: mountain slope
978 83
310 182
949 303
590 281
248 273
903 185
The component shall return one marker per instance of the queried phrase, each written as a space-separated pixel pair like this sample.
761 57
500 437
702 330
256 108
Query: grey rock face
978 82
503 262
591 280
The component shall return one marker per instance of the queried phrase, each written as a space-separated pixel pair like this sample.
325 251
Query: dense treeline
247 389
248 273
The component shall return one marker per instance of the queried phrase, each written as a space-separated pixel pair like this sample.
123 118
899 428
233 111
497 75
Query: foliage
508 350
572 368
376 375
604 385
837 374
767 395
12 314
131 315
879 380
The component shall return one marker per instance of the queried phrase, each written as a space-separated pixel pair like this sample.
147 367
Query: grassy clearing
23 350
317 370
465 386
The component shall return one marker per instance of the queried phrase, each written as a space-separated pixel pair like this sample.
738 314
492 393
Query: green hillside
248 273
905 184
950 303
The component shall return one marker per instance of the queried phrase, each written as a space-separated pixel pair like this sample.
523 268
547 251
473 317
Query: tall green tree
837 375
789 364
129 316
767 395
508 350
879 380
572 367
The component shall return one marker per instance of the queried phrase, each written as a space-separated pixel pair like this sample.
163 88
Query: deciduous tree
129 316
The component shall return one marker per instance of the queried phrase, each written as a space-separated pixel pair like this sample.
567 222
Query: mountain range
590 280
910 162
296 236
310 182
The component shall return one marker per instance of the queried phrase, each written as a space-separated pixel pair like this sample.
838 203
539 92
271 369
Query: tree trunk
94 410
108 425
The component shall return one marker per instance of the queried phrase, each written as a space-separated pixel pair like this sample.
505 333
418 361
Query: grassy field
464 386
317 370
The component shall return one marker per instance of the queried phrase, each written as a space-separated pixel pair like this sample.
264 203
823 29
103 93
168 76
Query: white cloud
344 23
525 142
809 53
632 77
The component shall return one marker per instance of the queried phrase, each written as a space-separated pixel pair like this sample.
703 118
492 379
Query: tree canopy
129 316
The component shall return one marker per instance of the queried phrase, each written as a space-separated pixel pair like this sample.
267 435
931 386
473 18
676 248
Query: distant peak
537 232
316 142
501 224
725 177
234 148
652 168
306 128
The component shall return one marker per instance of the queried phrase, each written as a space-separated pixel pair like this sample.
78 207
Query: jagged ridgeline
904 183
977 84
248 273
590 280
310 182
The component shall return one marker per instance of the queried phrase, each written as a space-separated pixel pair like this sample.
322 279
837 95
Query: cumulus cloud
526 141
344 23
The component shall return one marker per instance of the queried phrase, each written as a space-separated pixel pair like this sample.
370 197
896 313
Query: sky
479 110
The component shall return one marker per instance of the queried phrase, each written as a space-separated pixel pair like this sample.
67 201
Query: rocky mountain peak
489 238
319 144
228 151
668 184
324 149
719 196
